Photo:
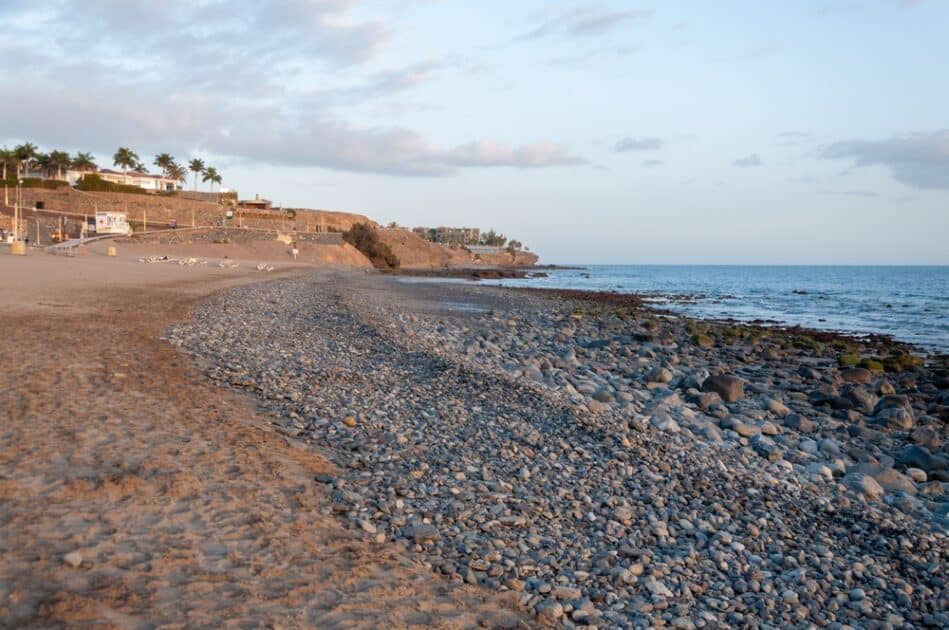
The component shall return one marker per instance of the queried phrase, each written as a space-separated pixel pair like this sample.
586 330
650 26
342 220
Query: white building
147 181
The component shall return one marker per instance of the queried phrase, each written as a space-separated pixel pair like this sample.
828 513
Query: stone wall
160 211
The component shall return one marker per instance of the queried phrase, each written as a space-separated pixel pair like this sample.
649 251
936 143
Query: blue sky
672 132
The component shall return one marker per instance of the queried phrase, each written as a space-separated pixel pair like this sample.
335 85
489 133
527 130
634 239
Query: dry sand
185 507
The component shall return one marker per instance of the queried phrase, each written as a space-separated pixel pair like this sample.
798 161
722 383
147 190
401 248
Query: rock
800 423
926 437
856 375
864 485
917 474
769 428
885 388
595 406
565 592
894 412
603 396
659 375
421 533
778 408
894 481
349 421
549 610
730 388
857 594
666 423
367 527
918 457
744 429
862 399
73 559
657 588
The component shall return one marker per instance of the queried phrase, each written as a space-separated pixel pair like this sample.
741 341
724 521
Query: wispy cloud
748 161
584 22
638 144
230 78
651 163
920 160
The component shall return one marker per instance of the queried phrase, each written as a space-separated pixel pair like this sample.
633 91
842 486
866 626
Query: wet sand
180 503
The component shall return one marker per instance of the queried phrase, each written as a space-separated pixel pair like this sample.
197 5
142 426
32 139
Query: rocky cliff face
416 253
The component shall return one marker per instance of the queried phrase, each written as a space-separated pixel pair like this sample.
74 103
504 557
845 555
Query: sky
682 132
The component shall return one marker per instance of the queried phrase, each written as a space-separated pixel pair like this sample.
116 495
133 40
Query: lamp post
18 248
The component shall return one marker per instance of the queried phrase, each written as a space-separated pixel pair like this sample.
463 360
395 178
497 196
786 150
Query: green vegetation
210 174
848 359
899 361
874 365
90 182
35 182
803 342
365 238
703 341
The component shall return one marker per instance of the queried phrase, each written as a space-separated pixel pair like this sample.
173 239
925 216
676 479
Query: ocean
909 303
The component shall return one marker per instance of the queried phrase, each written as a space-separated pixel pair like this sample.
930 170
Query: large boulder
918 457
729 387
894 412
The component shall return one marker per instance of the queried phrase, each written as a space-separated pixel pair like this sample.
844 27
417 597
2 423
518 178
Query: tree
139 168
197 166
126 159
177 172
43 162
7 160
84 162
58 161
24 153
164 162
211 175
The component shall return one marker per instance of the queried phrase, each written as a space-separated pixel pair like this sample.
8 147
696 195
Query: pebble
555 459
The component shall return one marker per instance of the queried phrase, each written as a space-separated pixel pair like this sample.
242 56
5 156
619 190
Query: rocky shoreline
613 466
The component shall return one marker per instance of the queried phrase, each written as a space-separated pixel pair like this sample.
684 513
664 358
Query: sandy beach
136 493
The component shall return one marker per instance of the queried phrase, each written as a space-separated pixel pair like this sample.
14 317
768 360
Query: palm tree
84 162
139 168
7 159
211 175
196 165
125 158
24 153
177 172
164 161
43 162
59 160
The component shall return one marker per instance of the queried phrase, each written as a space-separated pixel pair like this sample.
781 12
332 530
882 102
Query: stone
769 428
856 375
917 474
799 423
744 429
659 375
595 406
603 396
565 592
73 559
918 457
778 408
549 610
349 421
926 437
666 423
864 485
730 388
421 533
657 588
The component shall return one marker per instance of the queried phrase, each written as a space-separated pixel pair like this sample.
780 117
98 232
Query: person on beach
295 252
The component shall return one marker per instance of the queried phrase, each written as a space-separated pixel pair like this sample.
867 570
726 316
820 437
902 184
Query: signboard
112 223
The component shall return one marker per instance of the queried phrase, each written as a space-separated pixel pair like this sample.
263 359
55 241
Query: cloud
233 80
652 163
749 161
920 160
638 144
584 22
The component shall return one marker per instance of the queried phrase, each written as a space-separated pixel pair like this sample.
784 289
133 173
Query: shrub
34 182
874 365
803 342
365 238
92 182
703 341
848 359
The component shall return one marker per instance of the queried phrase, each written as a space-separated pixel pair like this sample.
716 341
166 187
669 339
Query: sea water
909 303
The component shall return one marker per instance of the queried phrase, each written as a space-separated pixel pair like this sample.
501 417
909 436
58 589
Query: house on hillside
256 203
146 181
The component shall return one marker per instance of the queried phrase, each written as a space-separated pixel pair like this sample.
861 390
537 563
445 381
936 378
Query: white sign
112 223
